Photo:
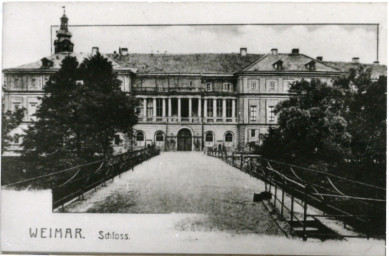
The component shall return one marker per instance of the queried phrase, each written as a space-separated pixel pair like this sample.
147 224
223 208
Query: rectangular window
271 86
209 87
229 108
219 108
17 104
149 108
253 85
226 87
210 108
32 106
33 83
271 116
252 133
159 107
17 83
253 113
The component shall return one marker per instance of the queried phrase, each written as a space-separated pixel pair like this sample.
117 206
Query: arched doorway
184 140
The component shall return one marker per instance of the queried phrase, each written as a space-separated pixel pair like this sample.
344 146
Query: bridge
219 188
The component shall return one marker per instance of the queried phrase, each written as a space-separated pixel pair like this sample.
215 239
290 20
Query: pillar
205 108
179 109
154 107
190 107
233 108
170 107
163 107
224 108
145 107
214 107
199 107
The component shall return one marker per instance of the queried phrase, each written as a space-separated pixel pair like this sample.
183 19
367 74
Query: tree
311 126
10 120
83 108
366 117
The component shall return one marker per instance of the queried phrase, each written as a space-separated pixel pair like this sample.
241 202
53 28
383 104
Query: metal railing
356 204
74 182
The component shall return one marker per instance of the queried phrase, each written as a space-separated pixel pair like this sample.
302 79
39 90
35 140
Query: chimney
355 60
295 51
95 50
243 52
319 58
123 51
274 51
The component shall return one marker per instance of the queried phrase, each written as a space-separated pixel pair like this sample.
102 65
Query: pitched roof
376 70
224 63
57 59
290 62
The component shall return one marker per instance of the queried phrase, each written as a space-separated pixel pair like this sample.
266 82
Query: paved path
186 182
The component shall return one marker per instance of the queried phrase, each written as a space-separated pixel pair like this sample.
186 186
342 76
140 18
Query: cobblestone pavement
186 182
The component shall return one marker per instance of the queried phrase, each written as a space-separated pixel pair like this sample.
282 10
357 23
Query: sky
29 27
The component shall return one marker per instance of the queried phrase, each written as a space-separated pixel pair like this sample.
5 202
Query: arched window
228 137
209 137
140 136
159 136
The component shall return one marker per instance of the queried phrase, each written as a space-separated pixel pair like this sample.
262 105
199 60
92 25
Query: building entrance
184 140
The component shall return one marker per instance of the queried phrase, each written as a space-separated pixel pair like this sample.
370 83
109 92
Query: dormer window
278 65
311 66
46 63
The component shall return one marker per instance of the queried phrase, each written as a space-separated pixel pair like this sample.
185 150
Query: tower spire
63 42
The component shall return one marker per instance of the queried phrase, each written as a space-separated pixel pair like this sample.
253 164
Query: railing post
275 196
282 204
241 162
305 213
291 210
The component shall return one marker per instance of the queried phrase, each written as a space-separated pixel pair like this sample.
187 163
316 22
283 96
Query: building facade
188 101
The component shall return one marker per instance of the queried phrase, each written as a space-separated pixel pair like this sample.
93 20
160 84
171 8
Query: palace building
189 101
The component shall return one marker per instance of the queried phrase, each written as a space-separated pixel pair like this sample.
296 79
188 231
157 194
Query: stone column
224 109
214 108
190 109
179 109
163 107
170 108
205 108
233 108
154 108
199 108
144 109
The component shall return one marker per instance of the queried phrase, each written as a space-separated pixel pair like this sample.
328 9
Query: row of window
26 82
226 87
271 116
159 136
219 108
271 85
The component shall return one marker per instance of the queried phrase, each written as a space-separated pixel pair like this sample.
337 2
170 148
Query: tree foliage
342 123
311 127
82 110
9 121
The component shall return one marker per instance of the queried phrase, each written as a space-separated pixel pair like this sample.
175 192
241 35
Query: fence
73 182
357 204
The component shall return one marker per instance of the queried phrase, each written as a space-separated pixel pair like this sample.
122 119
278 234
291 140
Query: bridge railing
355 203
73 183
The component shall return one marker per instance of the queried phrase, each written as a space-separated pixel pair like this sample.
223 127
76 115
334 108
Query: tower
63 43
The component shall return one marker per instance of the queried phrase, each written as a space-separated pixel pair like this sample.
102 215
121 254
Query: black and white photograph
206 128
